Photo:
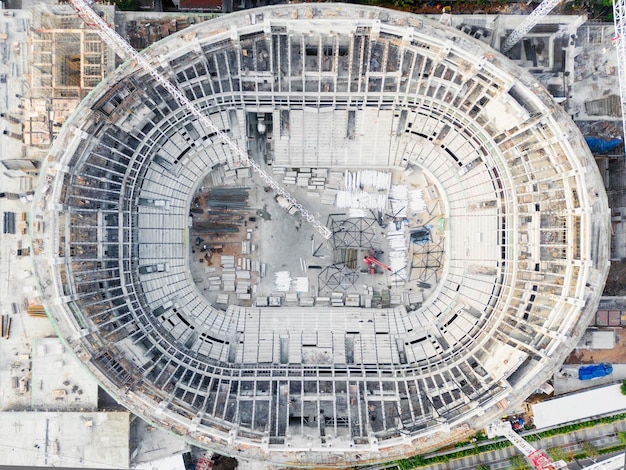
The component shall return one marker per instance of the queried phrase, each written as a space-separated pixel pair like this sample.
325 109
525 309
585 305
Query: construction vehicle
285 204
373 262
91 18
537 458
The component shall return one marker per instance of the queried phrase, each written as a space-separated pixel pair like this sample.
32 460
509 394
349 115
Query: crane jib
126 51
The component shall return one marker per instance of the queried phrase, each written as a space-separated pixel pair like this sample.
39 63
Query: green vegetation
622 387
589 449
610 450
556 454
126 4
483 466
519 463
479 447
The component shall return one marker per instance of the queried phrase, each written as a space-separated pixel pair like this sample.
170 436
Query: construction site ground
595 356
283 244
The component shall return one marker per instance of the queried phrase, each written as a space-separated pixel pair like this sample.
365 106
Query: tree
622 388
126 4
589 449
519 463
556 453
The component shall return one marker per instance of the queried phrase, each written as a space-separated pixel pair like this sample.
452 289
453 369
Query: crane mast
529 23
619 19
539 460
125 50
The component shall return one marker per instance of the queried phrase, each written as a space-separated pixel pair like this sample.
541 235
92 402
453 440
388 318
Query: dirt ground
616 280
616 355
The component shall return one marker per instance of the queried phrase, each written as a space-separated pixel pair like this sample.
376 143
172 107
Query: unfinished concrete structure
450 165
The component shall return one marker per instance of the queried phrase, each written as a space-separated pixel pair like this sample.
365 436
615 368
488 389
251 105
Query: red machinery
371 262
539 460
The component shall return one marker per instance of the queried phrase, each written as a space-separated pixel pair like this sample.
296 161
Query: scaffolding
68 60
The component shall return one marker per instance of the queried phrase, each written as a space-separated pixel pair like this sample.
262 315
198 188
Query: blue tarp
421 235
594 371
597 145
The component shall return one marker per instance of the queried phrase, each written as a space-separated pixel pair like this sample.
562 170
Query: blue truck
594 371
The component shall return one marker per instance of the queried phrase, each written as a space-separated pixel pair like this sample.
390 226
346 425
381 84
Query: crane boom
125 50
619 19
529 23
370 260
539 460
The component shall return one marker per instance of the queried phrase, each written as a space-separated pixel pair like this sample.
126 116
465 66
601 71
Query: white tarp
577 406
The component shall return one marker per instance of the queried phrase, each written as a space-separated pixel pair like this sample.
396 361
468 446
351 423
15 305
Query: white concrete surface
60 382
88 440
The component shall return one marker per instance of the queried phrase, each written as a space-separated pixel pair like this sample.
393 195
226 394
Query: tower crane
619 19
539 460
126 51
529 22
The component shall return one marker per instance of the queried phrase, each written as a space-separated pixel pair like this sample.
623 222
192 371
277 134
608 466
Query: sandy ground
616 355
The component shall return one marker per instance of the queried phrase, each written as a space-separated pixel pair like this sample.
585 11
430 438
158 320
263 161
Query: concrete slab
173 462
59 381
152 447
89 440
566 380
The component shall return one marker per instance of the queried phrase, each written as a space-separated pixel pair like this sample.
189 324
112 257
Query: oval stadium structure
469 247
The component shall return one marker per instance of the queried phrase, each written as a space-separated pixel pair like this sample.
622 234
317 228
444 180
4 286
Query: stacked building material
366 189
307 301
228 197
397 238
35 311
282 281
353 300
215 283
228 273
398 200
416 201
243 290
5 326
336 299
303 177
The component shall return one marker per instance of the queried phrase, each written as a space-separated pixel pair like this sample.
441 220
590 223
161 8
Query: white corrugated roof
577 406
